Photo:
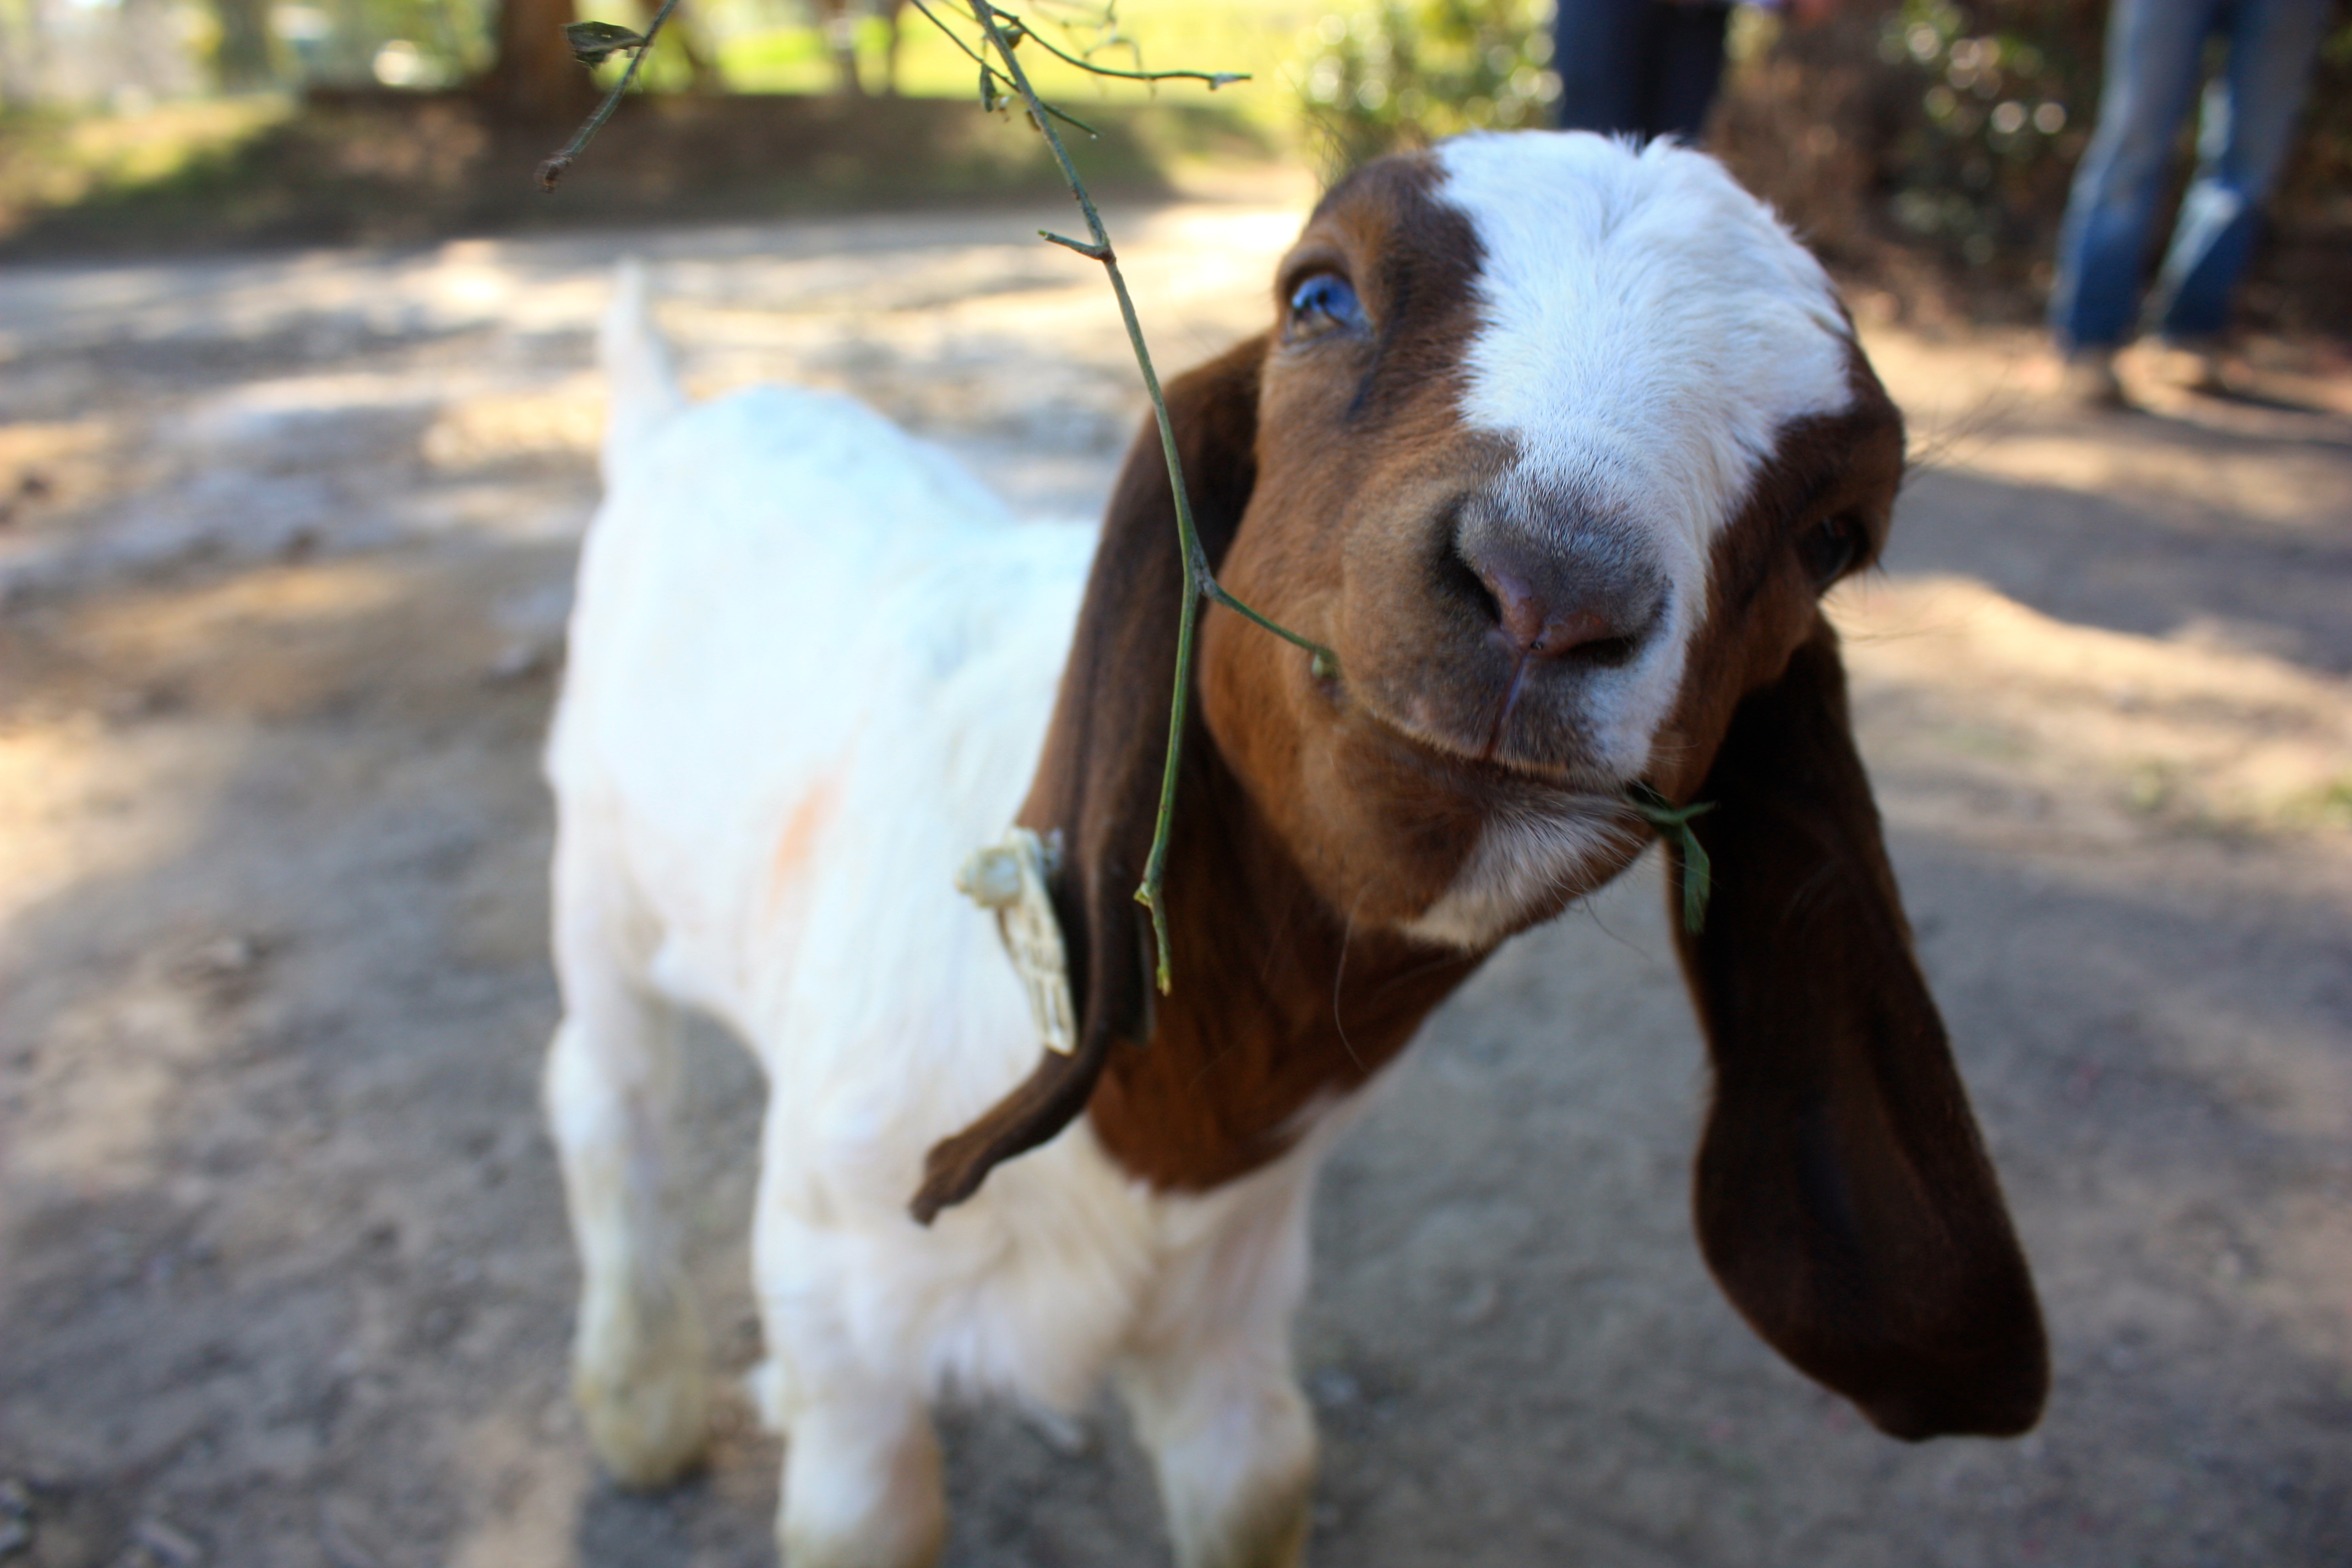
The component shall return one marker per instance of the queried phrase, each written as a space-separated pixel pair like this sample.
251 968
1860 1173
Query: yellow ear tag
1010 878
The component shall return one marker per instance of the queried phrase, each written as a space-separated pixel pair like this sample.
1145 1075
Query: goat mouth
1480 760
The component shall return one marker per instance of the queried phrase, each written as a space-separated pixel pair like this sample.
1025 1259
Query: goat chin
1550 440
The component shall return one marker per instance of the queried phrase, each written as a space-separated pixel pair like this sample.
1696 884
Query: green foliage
2008 90
1407 71
591 42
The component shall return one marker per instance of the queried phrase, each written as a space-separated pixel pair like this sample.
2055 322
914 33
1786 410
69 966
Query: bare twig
1214 78
1003 33
553 169
1018 31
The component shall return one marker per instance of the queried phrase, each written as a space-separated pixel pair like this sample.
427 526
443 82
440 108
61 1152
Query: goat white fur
814 664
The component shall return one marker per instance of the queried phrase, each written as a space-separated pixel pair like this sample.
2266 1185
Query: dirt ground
283 1272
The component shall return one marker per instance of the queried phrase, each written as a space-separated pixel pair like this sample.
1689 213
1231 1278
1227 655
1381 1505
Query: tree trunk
839 19
241 61
20 60
534 77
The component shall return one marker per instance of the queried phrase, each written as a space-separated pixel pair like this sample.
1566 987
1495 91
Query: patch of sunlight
2157 730
31 445
459 286
2262 484
524 1493
127 1050
1190 252
169 629
1936 381
46 468
80 803
1978 404
479 431
73 806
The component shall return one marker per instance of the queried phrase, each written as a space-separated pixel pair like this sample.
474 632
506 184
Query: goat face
1557 443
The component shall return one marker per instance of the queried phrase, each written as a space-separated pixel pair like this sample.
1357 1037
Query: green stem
1199 581
553 169
1674 822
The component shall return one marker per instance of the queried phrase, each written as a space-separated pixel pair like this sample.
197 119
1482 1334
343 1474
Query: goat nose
1552 604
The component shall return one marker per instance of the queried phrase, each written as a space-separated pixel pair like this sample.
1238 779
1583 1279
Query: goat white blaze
1646 331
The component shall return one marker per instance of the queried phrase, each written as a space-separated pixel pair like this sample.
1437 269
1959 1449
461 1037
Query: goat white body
1557 442
814 662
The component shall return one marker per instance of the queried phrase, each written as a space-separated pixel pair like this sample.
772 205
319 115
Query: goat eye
1831 547
1323 303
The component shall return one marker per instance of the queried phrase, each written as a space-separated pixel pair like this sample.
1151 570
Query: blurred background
1927 142
298 422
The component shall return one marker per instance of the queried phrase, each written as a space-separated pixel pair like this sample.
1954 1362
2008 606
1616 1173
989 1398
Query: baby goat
1556 444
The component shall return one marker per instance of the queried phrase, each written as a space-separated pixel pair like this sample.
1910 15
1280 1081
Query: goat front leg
1212 1391
1233 1441
863 1485
638 1362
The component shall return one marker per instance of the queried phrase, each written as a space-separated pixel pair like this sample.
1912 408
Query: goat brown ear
1096 789
1844 1198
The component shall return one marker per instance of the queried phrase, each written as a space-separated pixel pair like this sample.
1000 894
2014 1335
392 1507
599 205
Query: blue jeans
2155 48
1638 67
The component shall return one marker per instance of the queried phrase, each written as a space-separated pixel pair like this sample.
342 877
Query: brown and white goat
1556 444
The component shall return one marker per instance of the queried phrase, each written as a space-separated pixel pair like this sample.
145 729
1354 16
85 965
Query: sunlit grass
1263 42
52 160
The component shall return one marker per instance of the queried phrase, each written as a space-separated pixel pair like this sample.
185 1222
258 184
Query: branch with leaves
593 43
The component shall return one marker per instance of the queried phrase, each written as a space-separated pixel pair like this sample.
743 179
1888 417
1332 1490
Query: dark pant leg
1601 49
1688 64
2247 129
2153 51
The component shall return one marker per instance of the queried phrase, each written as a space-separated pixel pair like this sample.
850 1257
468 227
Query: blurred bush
1925 145
1931 145
2007 94
378 167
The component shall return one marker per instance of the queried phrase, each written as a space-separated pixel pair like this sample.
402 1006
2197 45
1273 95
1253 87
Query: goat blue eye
1324 301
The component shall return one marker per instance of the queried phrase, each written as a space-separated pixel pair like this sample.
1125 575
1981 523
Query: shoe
2089 380
2191 366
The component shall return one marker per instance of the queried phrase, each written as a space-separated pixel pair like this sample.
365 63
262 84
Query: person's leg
2152 57
1689 66
2242 139
1602 50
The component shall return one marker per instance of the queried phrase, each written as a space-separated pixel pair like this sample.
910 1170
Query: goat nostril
1552 625
1563 634
1519 610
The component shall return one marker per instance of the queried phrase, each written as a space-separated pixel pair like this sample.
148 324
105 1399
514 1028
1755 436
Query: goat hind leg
639 1369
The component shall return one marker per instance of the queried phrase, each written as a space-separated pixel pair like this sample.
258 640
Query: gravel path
283 1276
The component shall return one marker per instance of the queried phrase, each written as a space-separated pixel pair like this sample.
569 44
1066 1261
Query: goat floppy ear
1096 789
1843 1199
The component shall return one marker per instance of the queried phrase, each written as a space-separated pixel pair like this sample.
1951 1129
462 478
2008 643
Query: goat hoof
647 1413
649 1436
